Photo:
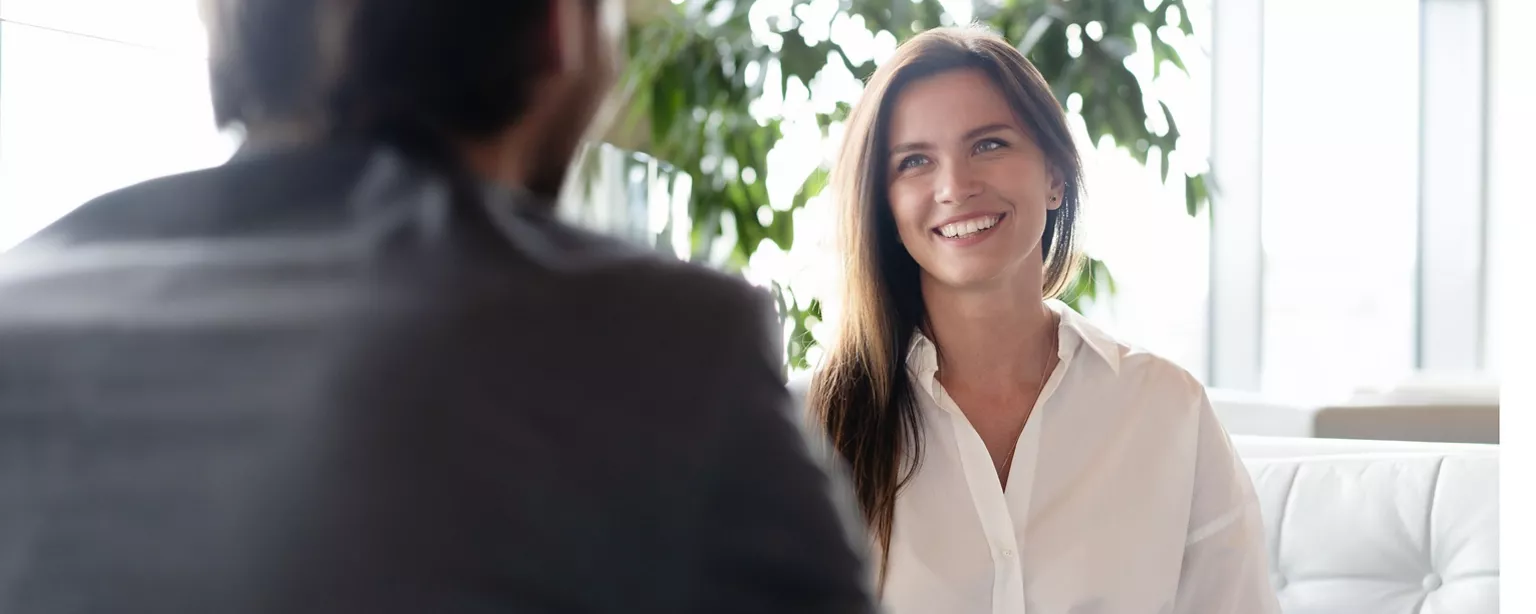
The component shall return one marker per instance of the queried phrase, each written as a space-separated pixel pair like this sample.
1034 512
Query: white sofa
1370 527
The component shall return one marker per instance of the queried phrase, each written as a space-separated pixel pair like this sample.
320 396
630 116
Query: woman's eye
911 162
987 145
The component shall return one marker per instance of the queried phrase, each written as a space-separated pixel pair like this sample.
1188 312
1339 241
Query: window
1339 161
1350 243
81 115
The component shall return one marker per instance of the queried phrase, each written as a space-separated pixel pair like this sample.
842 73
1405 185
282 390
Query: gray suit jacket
332 380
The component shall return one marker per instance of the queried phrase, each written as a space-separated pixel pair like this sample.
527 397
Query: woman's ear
1058 190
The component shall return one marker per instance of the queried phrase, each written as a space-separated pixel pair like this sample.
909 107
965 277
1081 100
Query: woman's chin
969 278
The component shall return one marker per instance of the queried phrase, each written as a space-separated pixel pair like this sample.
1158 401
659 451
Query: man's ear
562 36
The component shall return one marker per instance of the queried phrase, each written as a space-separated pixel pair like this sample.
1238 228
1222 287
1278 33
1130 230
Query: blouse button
1007 553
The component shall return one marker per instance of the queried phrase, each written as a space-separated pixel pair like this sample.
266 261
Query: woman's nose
956 184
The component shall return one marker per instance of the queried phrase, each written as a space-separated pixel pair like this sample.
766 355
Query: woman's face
969 189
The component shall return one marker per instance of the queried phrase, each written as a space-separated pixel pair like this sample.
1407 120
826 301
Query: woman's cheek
906 203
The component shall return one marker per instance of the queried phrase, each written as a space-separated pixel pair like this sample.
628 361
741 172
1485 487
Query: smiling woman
955 151
996 437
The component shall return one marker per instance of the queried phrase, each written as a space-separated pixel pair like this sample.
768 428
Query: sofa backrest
1382 532
1399 417
1256 447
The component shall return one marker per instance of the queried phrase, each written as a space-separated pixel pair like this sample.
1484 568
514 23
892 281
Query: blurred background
1291 199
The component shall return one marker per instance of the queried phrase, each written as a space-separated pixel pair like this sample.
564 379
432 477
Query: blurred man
360 368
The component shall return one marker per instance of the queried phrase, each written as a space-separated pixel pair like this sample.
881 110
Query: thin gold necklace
1045 369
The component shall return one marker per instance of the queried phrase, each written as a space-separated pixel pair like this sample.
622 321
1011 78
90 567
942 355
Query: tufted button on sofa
1379 527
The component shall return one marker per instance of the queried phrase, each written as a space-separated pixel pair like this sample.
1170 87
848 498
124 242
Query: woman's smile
968 229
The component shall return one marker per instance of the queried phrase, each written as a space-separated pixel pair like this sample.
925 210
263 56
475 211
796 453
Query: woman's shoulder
1129 364
1147 367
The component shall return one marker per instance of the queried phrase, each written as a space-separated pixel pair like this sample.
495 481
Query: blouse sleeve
1226 561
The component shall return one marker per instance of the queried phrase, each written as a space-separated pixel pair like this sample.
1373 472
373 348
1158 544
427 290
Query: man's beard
568 130
547 174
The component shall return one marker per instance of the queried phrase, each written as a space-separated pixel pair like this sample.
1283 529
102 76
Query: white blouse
1124 496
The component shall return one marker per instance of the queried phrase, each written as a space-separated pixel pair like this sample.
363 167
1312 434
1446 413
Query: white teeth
968 227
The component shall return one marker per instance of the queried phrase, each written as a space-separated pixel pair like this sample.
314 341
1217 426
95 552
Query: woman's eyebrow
973 133
997 127
910 147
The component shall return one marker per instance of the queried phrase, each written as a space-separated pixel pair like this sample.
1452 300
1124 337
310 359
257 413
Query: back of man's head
417 73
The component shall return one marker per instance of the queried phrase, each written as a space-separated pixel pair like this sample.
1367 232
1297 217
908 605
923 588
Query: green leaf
798 59
1195 194
1093 280
1169 140
1036 31
1164 52
782 230
811 188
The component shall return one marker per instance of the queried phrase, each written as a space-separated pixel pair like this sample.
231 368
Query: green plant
695 68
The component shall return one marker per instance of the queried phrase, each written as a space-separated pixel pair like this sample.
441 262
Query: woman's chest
1066 557
1094 519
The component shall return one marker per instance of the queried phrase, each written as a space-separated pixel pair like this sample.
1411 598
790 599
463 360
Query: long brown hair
862 394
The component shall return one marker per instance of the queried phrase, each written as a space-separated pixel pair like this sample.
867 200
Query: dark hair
376 68
862 395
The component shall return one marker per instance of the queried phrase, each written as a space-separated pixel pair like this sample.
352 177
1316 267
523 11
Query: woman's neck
989 338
